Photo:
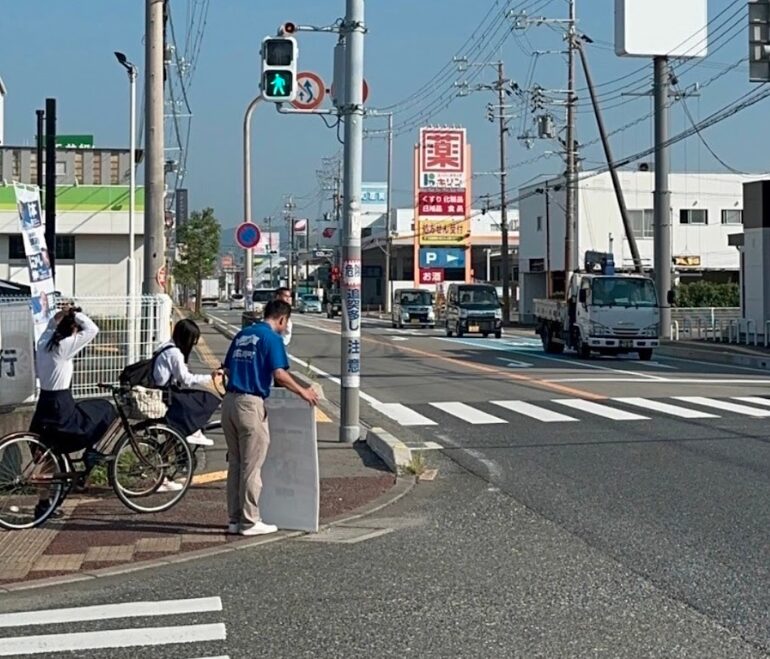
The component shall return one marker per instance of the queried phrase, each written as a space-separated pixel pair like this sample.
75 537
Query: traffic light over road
279 69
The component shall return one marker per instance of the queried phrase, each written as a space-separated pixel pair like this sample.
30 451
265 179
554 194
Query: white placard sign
290 478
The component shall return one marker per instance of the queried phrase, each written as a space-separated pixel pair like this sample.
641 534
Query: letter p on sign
431 257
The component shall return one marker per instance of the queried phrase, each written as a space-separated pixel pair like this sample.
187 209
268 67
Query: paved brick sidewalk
97 531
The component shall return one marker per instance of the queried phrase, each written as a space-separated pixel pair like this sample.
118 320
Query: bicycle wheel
30 473
152 472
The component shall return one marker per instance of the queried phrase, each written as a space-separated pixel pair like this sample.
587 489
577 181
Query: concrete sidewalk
757 357
97 536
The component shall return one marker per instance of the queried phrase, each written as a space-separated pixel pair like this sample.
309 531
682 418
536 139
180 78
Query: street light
132 74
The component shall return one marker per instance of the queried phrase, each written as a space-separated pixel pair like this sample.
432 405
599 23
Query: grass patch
417 465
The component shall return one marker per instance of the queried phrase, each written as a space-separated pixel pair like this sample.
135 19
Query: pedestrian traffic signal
279 69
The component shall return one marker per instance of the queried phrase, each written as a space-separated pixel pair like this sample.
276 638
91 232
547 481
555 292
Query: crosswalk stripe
599 410
403 415
533 411
111 638
467 413
666 408
108 611
724 405
756 400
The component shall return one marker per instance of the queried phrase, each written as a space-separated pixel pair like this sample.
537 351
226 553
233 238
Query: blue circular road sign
247 235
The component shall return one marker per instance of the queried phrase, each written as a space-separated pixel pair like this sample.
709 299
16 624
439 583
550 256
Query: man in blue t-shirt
256 358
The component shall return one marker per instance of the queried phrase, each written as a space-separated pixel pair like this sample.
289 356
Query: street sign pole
248 253
353 116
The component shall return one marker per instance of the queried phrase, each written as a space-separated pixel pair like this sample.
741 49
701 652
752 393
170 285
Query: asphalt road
564 522
667 481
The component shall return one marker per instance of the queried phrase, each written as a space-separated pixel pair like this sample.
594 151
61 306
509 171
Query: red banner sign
431 276
444 204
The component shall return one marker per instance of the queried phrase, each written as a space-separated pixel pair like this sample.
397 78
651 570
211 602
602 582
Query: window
732 216
539 223
693 216
65 248
642 223
61 168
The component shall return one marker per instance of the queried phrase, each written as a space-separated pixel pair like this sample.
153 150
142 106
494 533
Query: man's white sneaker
233 528
200 439
169 486
260 528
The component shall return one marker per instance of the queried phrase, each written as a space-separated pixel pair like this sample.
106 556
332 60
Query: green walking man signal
279 69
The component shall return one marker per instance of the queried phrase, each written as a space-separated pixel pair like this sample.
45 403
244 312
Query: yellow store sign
444 231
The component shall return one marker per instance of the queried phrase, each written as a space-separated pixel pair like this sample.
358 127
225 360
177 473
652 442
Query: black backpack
139 374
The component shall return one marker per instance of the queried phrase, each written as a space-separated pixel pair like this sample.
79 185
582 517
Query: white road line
467 413
402 415
663 380
666 408
111 638
599 410
756 400
666 358
725 405
533 411
108 611
364 396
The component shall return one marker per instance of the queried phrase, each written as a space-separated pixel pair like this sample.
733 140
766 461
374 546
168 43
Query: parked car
413 306
309 303
237 301
333 305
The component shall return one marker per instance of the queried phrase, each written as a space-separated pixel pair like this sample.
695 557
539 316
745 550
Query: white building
705 210
92 240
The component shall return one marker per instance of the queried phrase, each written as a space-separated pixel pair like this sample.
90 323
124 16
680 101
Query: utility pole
40 148
154 211
50 181
571 258
269 223
506 257
388 213
662 196
353 115
504 87
288 214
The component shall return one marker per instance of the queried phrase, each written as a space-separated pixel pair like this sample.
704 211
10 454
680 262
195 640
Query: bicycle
144 455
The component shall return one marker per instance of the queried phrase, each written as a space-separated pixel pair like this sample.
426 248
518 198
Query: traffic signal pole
353 117
249 255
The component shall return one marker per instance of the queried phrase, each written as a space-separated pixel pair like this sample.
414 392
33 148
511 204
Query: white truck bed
553 310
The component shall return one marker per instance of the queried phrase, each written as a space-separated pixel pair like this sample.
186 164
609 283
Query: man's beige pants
244 421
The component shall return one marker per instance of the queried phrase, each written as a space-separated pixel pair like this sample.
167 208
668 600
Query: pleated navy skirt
69 426
190 410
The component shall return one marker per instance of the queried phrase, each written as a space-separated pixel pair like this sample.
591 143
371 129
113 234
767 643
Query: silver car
413 306
309 303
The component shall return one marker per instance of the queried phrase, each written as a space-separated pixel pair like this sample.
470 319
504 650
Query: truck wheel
448 331
545 337
645 354
583 349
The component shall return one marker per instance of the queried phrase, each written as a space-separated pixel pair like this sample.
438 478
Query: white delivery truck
209 292
604 312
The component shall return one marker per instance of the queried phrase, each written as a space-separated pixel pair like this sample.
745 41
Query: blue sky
64 50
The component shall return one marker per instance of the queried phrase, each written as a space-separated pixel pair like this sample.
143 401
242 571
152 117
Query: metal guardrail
718 325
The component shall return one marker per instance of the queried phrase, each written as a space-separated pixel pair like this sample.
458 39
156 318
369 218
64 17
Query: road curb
391 450
402 487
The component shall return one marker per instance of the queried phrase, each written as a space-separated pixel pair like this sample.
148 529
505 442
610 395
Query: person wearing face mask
256 358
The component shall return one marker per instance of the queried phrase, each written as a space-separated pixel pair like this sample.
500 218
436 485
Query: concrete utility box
755 284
